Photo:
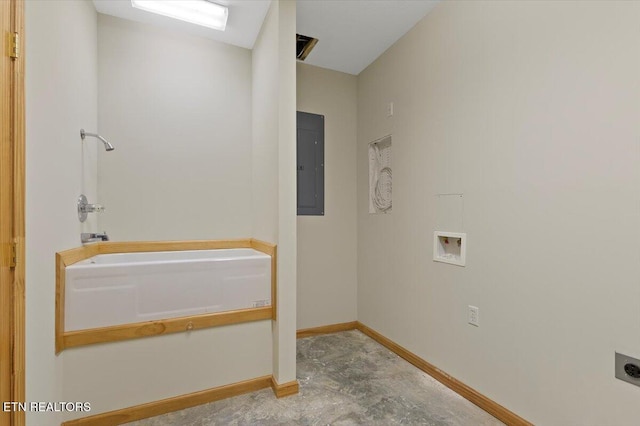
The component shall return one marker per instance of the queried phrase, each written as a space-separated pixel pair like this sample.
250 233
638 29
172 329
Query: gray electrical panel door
310 164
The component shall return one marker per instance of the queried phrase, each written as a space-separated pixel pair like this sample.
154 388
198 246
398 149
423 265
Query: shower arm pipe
107 145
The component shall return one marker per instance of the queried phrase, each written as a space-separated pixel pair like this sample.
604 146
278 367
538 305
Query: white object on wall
450 247
380 176
474 316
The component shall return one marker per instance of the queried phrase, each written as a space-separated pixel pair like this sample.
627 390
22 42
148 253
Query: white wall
327 258
265 129
284 368
123 374
177 108
273 188
531 110
61 97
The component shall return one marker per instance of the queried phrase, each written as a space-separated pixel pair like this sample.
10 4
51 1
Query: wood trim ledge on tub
159 327
164 326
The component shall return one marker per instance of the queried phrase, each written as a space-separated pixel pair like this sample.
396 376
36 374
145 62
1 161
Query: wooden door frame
13 256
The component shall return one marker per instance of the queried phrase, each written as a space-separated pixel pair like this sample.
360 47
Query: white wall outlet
474 316
390 109
627 369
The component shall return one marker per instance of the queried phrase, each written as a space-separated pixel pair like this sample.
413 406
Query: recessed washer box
450 247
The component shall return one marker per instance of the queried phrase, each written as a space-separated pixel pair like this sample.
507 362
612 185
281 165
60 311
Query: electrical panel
310 164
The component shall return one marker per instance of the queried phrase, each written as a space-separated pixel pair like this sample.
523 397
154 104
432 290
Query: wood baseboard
285 389
156 408
327 329
491 407
181 402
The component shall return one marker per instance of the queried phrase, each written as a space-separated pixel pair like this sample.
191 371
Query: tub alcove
111 291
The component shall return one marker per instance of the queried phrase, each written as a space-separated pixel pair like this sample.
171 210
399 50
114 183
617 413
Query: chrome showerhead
107 145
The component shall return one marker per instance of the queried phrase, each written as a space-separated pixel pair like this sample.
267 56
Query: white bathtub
113 289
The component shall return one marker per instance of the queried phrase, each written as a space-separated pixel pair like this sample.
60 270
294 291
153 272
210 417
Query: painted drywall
529 109
177 107
274 187
61 97
124 374
264 124
327 258
284 368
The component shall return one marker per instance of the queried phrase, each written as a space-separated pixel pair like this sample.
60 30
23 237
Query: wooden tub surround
114 333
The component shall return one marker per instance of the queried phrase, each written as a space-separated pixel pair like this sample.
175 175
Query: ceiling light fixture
199 12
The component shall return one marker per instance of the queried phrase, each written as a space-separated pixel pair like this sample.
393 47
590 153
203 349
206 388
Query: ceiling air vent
304 44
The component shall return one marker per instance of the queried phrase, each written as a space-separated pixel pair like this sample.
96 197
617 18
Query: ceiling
243 25
351 33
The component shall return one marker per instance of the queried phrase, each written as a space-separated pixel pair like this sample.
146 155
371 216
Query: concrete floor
345 379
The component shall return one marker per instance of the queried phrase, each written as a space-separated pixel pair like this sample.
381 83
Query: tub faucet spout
90 237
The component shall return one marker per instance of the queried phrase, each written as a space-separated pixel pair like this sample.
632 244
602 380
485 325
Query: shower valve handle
92 208
84 208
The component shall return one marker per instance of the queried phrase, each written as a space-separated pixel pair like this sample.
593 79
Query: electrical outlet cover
474 316
621 361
